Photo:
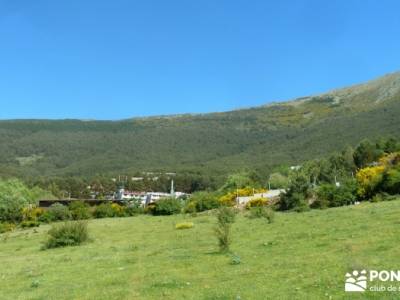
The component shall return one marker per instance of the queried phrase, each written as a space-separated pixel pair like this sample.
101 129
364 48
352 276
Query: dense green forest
260 139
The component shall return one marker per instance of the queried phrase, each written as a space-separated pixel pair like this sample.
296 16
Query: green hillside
298 256
217 143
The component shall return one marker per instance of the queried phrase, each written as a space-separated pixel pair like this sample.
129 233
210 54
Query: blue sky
117 59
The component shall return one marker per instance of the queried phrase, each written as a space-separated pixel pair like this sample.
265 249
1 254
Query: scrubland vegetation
298 256
207 247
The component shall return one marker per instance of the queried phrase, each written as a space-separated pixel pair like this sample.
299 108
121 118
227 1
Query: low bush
119 211
202 201
104 210
29 224
184 225
32 213
56 212
383 197
167 206
133 207
133 211
262 212
6 227
330 195
80 210
67 234
12 212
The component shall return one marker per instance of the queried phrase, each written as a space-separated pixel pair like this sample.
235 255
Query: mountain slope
217 143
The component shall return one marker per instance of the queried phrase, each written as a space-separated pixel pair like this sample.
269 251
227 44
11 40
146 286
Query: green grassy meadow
299 256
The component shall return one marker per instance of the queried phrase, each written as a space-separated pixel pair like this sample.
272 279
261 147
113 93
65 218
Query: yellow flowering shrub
257 202
118 209
368 179
229 199
32 213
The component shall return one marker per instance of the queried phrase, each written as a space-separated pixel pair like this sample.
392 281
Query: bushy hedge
330 195
104 210
79 210
167 206
202 201
56 212
67 234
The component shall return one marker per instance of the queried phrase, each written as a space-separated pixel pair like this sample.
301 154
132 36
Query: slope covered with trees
259 139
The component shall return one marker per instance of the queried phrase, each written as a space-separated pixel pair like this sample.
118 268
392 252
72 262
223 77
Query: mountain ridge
259 138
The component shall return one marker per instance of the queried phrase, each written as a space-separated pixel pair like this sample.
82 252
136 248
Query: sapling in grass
225 218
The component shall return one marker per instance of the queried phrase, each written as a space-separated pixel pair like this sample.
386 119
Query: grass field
299 256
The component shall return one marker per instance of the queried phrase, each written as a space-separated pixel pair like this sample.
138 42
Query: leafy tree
330 195
278 181
366 153
14 196
296 194
237 181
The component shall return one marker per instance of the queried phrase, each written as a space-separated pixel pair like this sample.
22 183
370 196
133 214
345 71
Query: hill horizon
260 138
173 115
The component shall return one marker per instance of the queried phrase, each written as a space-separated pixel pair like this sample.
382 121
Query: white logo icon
356 281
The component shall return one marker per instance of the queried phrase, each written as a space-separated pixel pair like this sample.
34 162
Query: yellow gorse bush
117 208
230 198
368 178
257 202
32 213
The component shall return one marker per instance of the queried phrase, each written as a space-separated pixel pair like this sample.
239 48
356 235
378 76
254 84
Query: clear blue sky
118 59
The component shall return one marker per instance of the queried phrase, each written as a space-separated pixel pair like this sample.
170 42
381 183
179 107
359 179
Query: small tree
295 196
225 218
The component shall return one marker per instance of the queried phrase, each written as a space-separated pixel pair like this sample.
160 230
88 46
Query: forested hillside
218 143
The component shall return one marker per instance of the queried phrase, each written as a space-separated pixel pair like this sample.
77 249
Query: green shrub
56 212
235 260
133 208
167 206
184 225
226 215
6 227
79 210
202 201
119 210
32 213
67 234
329 195
104 210
29 224
225 218
383 197
262 212
46 217
295 195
